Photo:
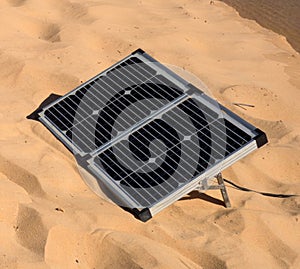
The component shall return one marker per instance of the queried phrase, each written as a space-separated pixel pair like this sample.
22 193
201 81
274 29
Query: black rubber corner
138 51
261 138
51 98
143 215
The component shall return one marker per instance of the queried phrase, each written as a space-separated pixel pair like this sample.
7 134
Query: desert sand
49 218
282 17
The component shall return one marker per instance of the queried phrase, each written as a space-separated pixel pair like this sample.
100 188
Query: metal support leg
220 186
223 190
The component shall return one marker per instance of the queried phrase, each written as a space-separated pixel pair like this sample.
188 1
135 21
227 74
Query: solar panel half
147 136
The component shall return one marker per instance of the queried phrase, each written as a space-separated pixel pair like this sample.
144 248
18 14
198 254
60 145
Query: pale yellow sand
52 45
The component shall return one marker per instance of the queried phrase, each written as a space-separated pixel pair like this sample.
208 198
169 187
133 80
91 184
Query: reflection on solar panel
148 136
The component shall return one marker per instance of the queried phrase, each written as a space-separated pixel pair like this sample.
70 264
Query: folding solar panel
147 136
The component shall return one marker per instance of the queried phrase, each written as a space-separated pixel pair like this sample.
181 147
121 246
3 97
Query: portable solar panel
147 136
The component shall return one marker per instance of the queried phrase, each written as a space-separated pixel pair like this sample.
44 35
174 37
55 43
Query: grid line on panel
146 134
215 120
123 175
67 123
136 106
206 114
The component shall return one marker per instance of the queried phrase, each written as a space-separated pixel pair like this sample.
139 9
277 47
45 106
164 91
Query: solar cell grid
193 139
147 135
93 109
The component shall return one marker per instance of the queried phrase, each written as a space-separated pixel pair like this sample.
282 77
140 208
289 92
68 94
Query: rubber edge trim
138 51
261 138
51 98
143 215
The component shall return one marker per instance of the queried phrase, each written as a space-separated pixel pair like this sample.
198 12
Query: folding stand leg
223 190
221 186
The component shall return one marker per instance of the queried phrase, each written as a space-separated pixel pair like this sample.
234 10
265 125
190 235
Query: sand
283 17
49 218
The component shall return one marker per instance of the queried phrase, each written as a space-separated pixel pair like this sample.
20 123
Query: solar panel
148 136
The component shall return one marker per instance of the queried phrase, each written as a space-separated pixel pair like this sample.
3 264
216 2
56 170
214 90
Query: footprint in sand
30 230
291 205
208 260
22 177
16 3
230 220
33 27
49 32
74 11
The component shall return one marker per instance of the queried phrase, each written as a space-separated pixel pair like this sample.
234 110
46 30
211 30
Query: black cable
277 195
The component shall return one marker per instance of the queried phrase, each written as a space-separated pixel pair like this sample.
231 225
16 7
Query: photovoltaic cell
147 135
185 152
92 110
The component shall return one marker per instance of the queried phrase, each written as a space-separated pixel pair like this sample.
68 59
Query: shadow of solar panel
148 136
